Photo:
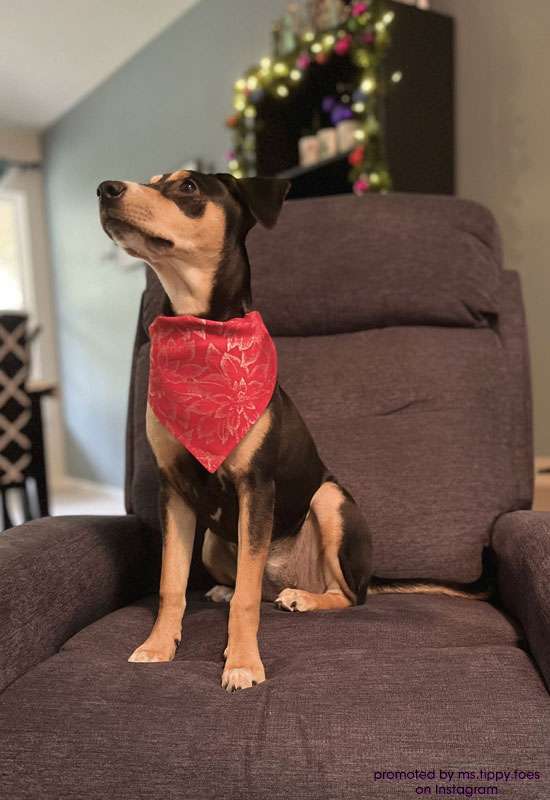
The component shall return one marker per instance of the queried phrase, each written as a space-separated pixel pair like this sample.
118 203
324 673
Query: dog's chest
212 496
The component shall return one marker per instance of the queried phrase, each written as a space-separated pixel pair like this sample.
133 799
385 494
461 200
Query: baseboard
69 483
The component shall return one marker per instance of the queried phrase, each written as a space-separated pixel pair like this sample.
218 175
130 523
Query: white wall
503 137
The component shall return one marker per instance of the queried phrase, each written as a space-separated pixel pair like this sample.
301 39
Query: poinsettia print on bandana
210 381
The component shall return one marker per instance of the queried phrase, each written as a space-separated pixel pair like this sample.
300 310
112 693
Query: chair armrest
521 541
59 574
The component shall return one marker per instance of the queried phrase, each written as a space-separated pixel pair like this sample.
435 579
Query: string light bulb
280 69
250 112
328 40
265 63
282 90
239 104
240 85
252 82
388 17
233 165
316 47
374 178
358 107
359 135
295 74
396 76
309 36
367 85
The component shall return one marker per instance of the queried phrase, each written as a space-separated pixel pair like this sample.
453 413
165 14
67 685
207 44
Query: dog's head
187 216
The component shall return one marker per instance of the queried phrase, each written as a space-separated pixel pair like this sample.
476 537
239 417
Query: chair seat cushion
403 683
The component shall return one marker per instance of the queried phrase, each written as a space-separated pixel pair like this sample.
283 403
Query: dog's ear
262 197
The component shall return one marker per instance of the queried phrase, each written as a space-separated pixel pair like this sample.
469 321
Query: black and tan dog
279 526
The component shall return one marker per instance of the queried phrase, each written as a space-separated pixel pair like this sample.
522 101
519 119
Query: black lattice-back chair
15 411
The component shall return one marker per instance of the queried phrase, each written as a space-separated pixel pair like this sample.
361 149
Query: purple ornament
339 113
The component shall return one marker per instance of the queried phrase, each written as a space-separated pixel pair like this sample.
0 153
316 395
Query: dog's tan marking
300 600
243 666
327 523
155 179
177 550
165 446
220 594
237 464
394 587
178 175
325 507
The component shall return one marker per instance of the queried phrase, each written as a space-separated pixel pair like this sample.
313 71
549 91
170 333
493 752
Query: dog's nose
110 190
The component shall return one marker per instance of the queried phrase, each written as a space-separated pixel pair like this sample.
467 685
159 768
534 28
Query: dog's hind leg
220 559
344 551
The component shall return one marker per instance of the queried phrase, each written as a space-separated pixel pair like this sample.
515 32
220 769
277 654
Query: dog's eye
188 186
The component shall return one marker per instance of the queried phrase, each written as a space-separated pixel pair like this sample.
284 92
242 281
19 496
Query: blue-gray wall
163 107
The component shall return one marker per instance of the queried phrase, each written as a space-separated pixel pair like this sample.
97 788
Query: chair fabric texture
521 542
402 341
403 683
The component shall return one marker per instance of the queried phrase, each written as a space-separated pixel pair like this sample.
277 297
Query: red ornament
343 45
321 58
232 121
361 185
359 8
356 156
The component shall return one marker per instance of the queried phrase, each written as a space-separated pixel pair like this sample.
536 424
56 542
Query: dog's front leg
177 548
243 665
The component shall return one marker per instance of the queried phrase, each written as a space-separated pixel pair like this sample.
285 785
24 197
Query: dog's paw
235 678
220 594
296 600
155 651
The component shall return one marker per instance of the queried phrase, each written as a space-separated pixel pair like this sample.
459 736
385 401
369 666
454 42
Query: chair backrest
402 342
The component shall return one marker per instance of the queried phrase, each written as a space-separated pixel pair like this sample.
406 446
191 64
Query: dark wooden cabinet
417 113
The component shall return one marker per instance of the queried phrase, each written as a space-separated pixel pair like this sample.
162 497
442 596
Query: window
16 286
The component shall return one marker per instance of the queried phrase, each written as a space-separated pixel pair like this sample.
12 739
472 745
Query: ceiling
56 51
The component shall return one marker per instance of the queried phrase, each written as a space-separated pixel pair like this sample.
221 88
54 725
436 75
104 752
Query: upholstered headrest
337 264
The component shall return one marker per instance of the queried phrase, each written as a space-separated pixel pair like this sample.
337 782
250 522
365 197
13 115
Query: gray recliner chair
402 341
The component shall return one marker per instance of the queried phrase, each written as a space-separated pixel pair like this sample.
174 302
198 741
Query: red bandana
210 381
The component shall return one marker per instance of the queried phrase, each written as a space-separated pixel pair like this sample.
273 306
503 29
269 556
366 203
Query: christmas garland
364 37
